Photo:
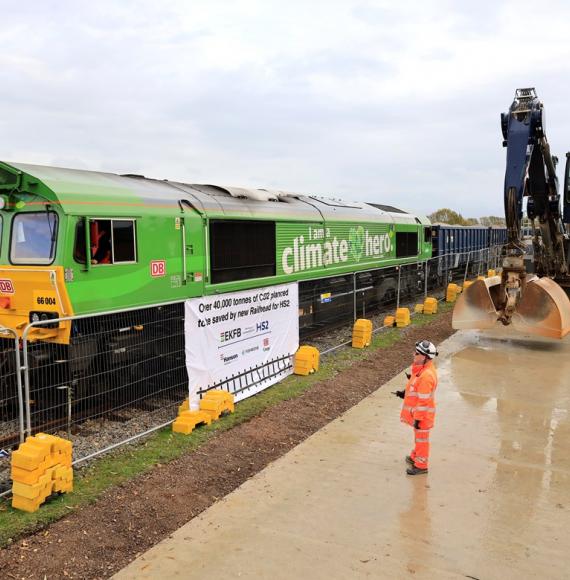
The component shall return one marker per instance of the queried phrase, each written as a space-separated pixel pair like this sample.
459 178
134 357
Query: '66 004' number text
45 301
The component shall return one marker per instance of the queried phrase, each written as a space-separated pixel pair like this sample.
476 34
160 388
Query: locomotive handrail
184 267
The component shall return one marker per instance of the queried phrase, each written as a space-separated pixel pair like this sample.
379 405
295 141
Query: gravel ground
100 539
338 336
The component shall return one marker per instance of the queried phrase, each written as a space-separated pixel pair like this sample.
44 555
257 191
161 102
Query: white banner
242 342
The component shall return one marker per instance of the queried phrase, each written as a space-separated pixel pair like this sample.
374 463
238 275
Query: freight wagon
457 246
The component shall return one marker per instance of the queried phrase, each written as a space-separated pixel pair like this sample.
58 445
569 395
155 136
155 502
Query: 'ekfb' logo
6 286
158 268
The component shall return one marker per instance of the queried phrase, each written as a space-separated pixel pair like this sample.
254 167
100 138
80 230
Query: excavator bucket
544 309
476 306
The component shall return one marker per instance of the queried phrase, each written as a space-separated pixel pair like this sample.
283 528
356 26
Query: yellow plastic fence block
187 421
35 491
40 466
183 427
25 504
362 333
222 395
459 289
403 317
452 292
50 442
306 360
41 451
63 486
64 459
58 445
491 273
184 407
24 476
467 283
29 455
197 417
389 321
32 475
359 342
480 277
226 399
213 407
60 472
419 308
64 479
430 305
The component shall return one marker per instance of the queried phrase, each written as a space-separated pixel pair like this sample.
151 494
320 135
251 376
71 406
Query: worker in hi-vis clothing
418 409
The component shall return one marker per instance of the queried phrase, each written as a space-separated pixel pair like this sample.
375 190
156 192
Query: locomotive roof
109 193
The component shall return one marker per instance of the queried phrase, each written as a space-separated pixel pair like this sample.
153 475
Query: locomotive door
192 248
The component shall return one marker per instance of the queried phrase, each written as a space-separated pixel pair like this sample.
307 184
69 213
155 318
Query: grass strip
163 446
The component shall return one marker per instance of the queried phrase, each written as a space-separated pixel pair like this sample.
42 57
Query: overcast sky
371 101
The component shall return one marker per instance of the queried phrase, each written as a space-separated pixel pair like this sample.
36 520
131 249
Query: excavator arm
534 303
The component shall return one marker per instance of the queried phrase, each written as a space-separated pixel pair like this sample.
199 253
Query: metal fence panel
11 402
120 374
124 373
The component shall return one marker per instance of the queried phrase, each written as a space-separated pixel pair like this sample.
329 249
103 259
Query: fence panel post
18 376
20 386
399 285
466 268
26 370
354 296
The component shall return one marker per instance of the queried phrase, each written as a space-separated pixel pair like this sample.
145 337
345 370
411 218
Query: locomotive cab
32 285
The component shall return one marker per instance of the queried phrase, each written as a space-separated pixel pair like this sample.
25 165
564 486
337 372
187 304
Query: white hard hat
426 348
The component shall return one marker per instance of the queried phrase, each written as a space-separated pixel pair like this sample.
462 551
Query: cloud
364 100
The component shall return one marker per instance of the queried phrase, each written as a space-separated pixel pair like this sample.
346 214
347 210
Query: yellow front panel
34 289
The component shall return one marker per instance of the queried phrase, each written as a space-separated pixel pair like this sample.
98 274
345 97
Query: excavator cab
533 303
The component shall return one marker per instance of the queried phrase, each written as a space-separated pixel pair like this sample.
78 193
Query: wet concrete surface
495 504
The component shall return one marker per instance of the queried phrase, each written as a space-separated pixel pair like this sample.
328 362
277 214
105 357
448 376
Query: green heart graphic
356 241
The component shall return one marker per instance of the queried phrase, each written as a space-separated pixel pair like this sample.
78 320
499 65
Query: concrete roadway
495 504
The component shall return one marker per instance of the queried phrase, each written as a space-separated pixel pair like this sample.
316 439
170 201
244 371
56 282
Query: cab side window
124 247
113 241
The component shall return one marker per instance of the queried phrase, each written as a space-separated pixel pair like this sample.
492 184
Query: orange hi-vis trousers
420 454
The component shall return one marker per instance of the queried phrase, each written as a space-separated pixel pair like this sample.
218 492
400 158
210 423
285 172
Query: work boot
415 470
409 460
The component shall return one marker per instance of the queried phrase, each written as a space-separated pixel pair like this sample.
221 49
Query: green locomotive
81 242
105 263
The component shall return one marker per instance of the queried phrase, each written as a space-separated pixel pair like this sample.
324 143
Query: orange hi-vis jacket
419 400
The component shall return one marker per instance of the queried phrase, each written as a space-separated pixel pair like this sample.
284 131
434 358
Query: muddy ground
98 540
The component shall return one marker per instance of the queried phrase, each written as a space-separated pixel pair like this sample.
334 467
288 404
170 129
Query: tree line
448 216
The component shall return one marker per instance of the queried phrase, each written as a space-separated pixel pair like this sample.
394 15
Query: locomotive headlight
39 316
2 202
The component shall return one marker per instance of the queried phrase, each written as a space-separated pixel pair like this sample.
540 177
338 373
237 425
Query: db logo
6 286
158 268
